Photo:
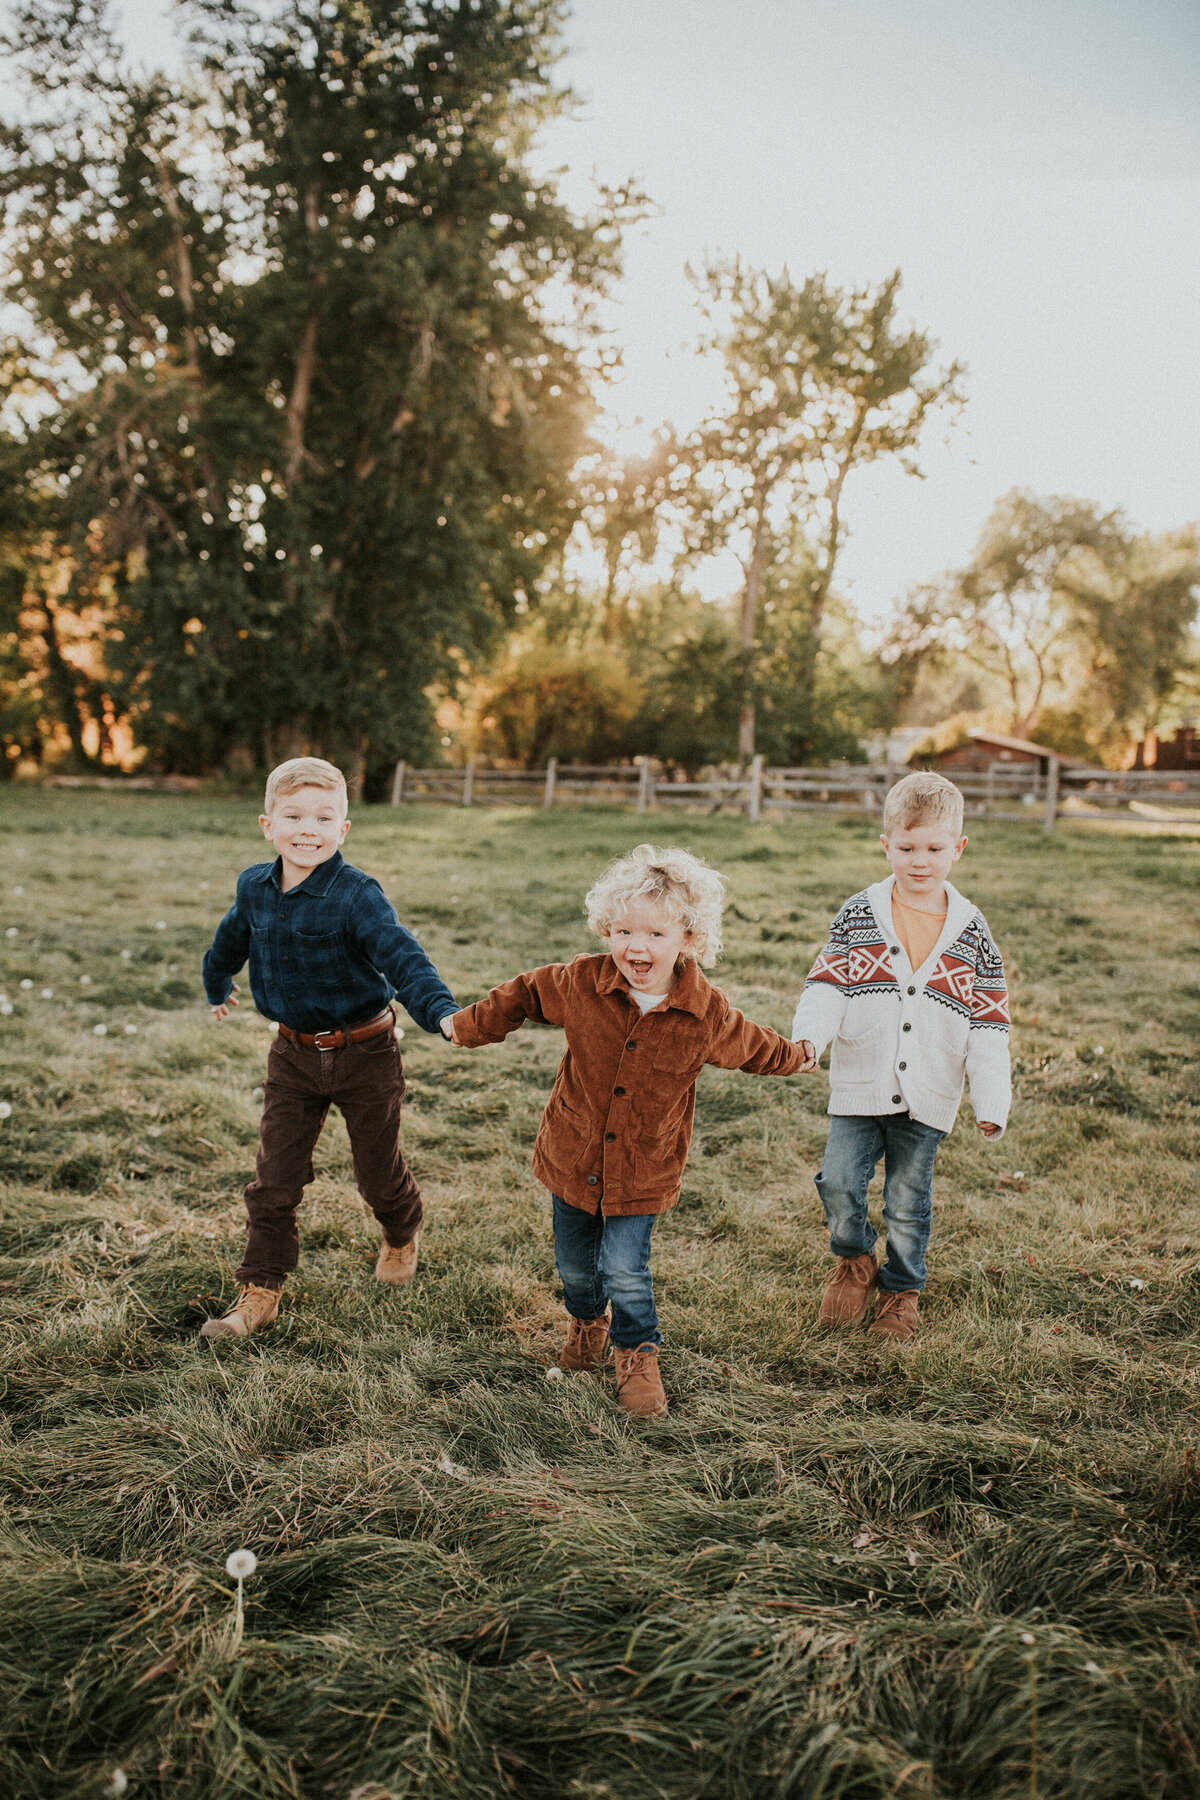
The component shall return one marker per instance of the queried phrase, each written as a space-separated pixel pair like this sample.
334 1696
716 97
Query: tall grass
964 1568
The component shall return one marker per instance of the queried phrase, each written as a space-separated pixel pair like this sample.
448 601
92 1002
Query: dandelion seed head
5 1007
1136 1284
131 1031
26 983
99 1030
11 931
160 924
118 1782
1027 1637
241 1563
554 1373
18 891
85 981
47 993
126 955
5 1110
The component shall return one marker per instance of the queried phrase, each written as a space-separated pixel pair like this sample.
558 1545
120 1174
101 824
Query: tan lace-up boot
848 1288
587 1342
253 1310
639 1384
896 1316
397 1266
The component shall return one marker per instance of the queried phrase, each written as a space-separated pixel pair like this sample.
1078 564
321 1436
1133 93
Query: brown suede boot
586 1345
253 1310
639 1384
848 1288
397 1266
896 1316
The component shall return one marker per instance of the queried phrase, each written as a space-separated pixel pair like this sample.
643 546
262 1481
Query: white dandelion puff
85 981
47 993
26 983
131 1031
1136 1284
126 955
6 1007
1027 1637
240 1564
5 1110
18 891
118 1783
11 931
99 1030
160 924
554 1373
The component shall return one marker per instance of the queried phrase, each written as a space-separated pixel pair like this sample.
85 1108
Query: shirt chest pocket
319 956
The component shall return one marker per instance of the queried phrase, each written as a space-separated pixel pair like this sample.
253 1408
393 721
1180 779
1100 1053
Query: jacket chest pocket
679 1058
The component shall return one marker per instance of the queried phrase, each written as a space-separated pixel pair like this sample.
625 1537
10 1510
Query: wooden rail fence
1003 790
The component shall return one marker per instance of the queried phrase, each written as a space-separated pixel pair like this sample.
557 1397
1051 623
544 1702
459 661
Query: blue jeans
603 1259
908 1148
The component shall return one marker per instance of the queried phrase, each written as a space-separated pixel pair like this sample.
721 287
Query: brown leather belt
337 1040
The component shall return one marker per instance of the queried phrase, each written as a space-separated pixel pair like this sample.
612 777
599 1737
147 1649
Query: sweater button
610 1137
896 1099
903 1066
906 1028
592 1180
912 990
619 1092
895 949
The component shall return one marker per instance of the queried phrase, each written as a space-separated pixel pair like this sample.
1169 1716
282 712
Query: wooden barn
983 748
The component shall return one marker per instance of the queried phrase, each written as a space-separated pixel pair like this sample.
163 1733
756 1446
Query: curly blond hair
684 886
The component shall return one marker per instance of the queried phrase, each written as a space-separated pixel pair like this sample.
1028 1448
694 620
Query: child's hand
231 999
447 1025
810 1056
988 1129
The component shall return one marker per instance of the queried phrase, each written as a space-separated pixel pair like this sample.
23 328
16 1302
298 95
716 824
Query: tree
1064 609
305 397
819 381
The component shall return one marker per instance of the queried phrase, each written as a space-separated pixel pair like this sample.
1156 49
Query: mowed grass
967 1567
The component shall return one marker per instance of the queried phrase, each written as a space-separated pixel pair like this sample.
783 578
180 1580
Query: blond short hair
923 798
687 890
301 772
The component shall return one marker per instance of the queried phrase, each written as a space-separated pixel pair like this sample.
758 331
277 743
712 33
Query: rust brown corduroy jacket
615 1136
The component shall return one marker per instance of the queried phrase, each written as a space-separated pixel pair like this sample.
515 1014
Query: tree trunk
750 599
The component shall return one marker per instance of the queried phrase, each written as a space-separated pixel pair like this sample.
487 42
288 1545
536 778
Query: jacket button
631 1045
619 1092
912 990
903 1066
906 1028
896 1099
610 1137
895 949
592 1180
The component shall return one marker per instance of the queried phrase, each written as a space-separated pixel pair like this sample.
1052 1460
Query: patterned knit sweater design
904 1039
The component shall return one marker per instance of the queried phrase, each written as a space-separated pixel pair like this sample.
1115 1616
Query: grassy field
964 1568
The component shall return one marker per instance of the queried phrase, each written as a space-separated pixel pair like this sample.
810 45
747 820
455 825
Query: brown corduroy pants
366 1083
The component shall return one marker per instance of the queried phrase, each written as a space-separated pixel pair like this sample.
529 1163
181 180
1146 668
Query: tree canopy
308 359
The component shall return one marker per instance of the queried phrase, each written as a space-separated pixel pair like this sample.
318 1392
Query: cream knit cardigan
904 1038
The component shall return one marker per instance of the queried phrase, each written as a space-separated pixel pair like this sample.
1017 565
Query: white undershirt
647 1002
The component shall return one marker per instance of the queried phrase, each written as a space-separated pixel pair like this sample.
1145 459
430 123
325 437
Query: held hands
447 1026
989 1130
230 1000
810 1056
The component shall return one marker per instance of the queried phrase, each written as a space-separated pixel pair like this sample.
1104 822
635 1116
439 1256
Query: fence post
756 790
398 784
469 781
551 780
645 784
1051 795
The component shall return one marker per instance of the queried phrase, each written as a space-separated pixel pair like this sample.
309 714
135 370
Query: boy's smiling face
646 944
921 859
307 827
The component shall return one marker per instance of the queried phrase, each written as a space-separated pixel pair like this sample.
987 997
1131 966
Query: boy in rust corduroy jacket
641 1022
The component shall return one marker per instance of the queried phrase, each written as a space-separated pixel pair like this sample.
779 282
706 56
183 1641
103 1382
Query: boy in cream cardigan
910 991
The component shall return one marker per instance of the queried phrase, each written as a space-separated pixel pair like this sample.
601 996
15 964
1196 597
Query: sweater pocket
855 1061
944 1056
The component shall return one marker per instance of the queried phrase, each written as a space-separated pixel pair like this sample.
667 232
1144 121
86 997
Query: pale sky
1032 166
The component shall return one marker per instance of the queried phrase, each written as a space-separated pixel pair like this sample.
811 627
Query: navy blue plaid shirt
329 952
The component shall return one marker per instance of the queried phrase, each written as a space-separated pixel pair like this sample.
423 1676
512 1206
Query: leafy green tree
307 387
819 382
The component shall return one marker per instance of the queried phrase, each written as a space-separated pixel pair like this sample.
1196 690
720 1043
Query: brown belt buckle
326 1048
